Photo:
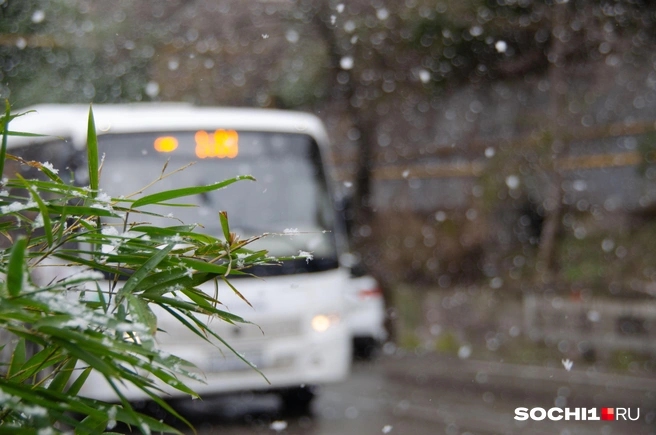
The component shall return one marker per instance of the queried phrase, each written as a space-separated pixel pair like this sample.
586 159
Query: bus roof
70 121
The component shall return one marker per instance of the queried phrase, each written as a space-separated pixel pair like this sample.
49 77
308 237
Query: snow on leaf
177 238
90 275
17 206
49 167
308 256
103 197
111 414
102 207
38 221
35 411
109 231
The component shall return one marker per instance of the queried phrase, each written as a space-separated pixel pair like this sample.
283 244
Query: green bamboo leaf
203 266
50 400
182 231
18 430
80 210
47 227
92 154
62 220
200 300
81 346
190 307
77 385
178 304
5 131
223 216
187 191
94 424
26 134
185 322
10 117
174 382
165 232
236 291
40 166
61 379
17 359
127 414
225 343
90 263
144 270
42 360
101 298
53 187
15 272
144 314
165 279
50 174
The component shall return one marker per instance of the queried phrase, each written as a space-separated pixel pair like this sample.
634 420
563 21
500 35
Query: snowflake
568 364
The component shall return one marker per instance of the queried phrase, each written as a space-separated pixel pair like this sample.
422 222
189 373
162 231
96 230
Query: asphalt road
435 396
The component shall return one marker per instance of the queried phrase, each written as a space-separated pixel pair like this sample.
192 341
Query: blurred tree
400 84
55 51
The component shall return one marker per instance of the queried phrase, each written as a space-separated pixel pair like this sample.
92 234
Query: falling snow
278 425
382 14
346 62
424 76
568 364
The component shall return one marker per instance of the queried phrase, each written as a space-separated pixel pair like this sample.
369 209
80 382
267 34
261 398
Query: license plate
229 362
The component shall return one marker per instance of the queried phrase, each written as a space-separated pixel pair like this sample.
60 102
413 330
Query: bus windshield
290 194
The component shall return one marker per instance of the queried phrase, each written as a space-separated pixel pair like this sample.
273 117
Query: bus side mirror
353 263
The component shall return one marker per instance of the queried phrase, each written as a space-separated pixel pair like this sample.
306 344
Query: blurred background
495 158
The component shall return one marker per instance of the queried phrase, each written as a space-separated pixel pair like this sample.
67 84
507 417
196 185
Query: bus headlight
321 322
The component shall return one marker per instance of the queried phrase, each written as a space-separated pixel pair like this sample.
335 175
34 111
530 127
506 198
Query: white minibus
300 337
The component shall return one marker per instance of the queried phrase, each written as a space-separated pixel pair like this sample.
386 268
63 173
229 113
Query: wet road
377 399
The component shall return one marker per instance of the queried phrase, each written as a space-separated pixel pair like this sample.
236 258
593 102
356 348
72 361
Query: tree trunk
554 200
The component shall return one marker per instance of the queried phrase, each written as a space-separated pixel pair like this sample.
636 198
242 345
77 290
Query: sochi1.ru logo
578 414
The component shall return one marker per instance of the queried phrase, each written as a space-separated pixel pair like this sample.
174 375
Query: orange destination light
165 144
222 144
